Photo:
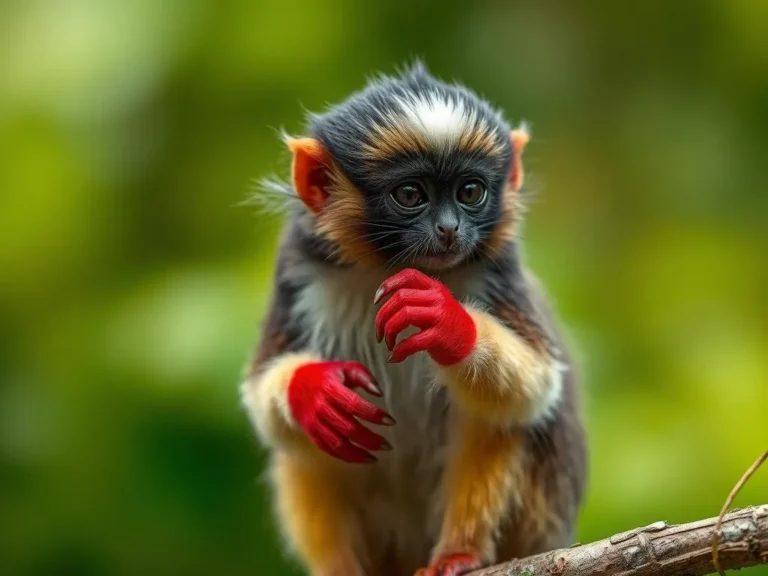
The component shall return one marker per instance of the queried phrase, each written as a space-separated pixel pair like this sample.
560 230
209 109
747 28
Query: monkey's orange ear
519 137
310 171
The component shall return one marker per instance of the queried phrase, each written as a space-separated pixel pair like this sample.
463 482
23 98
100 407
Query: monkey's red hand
452 565
325 407
448 332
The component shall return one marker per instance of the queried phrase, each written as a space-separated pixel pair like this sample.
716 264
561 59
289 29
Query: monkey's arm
506 378
265 397
303 409
297 400
502 378
498 365
299 396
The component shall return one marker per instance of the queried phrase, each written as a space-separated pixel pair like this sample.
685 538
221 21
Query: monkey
413 386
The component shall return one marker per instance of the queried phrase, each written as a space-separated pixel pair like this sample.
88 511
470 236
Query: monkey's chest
343 329
410 394
338 314
400 492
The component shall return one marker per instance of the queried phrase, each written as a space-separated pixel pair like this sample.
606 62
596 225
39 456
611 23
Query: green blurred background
132 282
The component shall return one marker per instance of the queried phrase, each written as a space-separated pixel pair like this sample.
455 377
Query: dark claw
374 388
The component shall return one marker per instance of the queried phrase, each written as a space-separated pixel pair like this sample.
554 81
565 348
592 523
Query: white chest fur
336 305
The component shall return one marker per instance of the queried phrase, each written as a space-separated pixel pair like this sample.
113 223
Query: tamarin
415 394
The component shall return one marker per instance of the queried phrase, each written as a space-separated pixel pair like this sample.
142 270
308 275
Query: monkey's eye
471 193
409 196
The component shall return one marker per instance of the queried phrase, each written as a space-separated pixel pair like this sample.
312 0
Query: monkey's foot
452 565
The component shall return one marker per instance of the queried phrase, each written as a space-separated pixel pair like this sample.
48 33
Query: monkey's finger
405 297
339 447
405 317
351 429
351 403
356 375
416 343
408 278
454 565
435 571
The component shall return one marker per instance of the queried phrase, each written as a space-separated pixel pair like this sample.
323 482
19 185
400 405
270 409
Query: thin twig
728 501
659 549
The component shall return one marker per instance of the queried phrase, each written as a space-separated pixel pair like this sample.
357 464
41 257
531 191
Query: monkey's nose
447 233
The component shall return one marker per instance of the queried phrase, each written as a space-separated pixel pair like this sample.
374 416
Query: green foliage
133 283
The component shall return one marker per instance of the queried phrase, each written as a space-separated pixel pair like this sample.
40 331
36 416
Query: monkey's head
411 171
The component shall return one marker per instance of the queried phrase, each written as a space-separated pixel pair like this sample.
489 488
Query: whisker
496 253
380 225
380 248
378 235
406 254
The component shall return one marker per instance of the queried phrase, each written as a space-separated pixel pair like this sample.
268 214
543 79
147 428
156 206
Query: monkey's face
411 172
431 209
432 214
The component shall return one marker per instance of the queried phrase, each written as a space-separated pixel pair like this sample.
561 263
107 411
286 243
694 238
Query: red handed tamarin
412 386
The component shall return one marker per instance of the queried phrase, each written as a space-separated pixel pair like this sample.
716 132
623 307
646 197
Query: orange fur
312 147
511 203
504 379
480 140
520 138
505 229
316 514
398 138
338 206
501 500
480 478
342 221
393 139
309 156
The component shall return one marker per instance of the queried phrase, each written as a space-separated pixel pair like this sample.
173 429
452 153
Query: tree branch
671 550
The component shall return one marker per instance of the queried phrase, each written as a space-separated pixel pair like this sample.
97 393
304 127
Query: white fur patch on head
419 121
440 119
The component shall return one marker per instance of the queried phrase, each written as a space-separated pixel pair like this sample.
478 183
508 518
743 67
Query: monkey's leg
534 530
548 493
316 515
478 485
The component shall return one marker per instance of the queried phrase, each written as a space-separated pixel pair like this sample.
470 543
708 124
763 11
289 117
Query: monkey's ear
519 137
310 171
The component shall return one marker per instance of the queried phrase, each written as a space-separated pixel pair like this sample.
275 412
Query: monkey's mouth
439 261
